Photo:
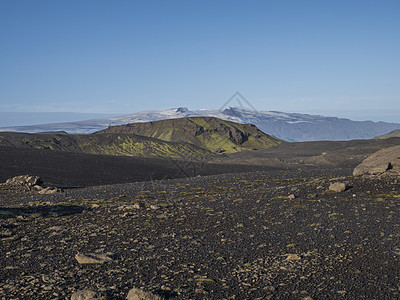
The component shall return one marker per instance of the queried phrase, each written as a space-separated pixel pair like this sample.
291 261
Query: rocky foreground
280 235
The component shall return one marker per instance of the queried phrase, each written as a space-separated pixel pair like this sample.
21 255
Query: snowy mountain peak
182 110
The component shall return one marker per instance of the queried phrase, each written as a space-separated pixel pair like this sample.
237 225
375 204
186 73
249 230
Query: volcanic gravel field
259 235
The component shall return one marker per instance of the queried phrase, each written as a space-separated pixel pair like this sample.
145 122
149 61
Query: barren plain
232 229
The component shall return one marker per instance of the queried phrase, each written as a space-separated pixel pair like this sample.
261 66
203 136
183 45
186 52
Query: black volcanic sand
68 169
230 236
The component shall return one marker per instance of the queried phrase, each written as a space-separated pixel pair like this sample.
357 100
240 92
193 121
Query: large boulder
385 161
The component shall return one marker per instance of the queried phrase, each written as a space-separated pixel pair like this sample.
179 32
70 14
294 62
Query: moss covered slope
210 133
108 144
394 133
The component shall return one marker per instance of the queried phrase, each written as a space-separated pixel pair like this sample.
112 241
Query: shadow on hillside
40 211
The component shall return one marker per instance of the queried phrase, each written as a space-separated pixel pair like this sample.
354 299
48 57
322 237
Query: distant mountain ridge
286 126
197 138
8 119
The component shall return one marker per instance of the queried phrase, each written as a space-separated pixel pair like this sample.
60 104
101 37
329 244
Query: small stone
138 205
292 257
56 228
154 207
92 258
48 190
292 196
137 294
84 295
6 233
338 187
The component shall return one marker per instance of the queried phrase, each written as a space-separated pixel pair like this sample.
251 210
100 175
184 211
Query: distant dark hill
394 133
210 133
107 144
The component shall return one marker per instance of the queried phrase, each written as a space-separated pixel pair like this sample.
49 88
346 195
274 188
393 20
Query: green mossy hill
210 133
394 133
107 144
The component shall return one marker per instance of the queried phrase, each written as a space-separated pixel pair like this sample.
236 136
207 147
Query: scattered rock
126 214
26 183
154 207
5 233
25 180
137 294
384 161
292 257
138 205
56 228
84 295
292 196
92 258
337 187
131 207
48 190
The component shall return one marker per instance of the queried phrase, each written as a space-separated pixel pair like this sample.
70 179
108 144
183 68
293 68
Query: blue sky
338 58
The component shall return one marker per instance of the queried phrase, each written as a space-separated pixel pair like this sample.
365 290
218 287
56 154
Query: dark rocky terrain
257 235
299 228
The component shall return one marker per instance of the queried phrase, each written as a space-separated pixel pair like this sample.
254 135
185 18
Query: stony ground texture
260 235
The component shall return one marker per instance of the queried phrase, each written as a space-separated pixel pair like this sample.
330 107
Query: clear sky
338 58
